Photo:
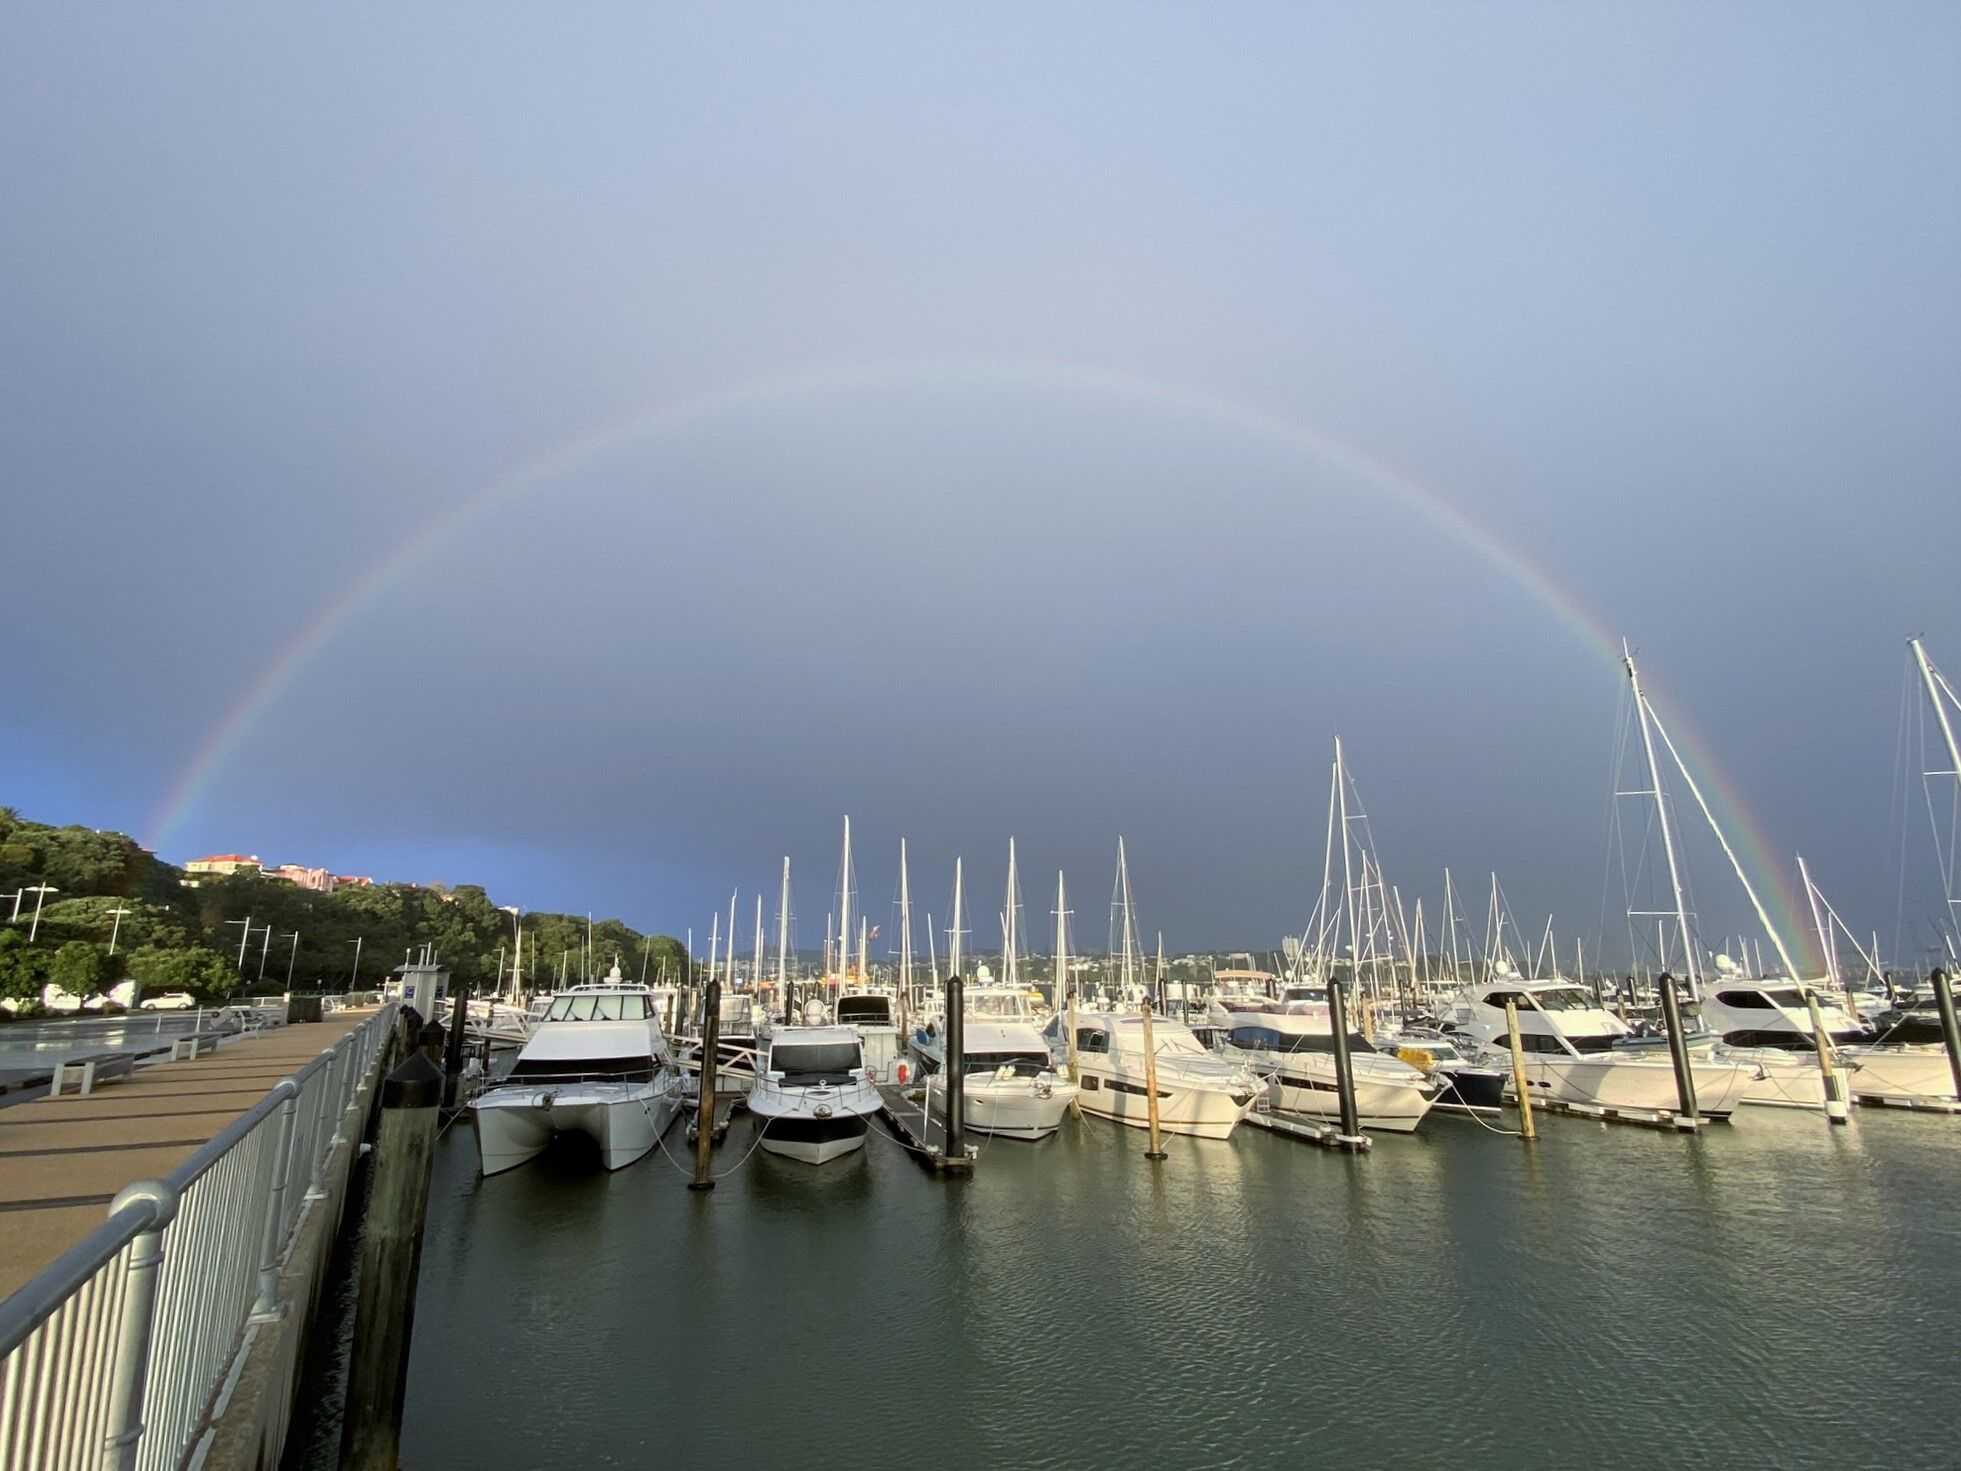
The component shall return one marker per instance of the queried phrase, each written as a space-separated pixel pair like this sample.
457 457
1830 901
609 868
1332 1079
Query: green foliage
204 973
81 969
23 967
188 938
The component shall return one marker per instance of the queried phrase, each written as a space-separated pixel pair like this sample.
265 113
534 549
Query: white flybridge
597 1064
1010 1086
1115 1055
1291 1040
1773 1073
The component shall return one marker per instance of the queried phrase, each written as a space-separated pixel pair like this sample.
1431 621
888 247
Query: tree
23 967
207 975
81 969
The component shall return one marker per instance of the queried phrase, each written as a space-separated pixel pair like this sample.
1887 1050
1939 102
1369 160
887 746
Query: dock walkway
923 1136
62 1160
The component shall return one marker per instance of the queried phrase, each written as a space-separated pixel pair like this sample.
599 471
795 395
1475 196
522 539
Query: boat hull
515 1125
1015 1110
1201 1113
815 1141
1902 1077
1305 1083
1636 1085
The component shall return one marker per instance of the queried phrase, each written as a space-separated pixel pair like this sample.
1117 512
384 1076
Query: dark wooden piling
459 1020
391 1253
1678 1053
956 1070
711 1037
1351 1125
1950 1034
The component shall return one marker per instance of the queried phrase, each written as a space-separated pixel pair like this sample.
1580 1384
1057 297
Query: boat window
1784 997
1564 998
1499 998
1743 1000
815 1062
1092 1039
863 1011
1025 1064
573 1069
985 1004
598 1008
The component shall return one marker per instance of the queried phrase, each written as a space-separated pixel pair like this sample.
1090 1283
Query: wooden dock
1640 1117
923 1136
1308 1130
63 1159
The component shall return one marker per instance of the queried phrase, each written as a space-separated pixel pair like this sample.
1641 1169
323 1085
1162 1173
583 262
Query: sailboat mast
728 963
1061 940
844 901
1818 922
783 938
1646 717
905 927
1010 969
1123 888
1935 683
1347 869
1763 915
953 936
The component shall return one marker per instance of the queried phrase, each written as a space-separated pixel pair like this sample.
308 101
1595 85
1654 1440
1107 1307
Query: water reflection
1254 1302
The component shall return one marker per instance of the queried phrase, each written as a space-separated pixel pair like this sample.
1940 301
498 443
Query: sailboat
1011 1085
1200 1093
1292 1040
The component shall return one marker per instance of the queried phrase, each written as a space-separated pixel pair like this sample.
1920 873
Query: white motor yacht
1766 1024
874 1016
1291 1042
1570 1055
813 1094
1199 1092
1011 1086
596 1064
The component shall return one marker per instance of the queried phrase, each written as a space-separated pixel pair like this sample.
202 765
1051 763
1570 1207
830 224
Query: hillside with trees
173 936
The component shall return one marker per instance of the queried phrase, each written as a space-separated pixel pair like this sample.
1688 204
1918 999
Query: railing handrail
150 1385
37 1299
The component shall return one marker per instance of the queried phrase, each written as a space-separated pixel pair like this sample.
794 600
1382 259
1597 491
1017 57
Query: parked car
169 1001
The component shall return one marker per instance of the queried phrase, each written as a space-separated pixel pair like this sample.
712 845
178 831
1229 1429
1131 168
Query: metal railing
112 1357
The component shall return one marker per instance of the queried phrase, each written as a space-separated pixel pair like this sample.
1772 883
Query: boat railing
114 1354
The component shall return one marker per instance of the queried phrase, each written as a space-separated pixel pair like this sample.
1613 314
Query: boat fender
901 1072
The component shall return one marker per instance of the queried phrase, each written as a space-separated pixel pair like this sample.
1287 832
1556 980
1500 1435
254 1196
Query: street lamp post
40 893
265 946
15 896
353 980
295 938
244 934
117 928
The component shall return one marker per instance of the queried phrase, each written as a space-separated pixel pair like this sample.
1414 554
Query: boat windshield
865 1011
996 1003
1784 996
1020 1064
805 1063
601 1007
1563 998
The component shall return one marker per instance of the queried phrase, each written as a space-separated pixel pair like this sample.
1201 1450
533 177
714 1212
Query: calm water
1773 1294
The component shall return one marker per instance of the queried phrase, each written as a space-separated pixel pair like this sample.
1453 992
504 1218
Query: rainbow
669 417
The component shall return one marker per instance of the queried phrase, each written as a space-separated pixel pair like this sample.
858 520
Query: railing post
265 1306
132 1363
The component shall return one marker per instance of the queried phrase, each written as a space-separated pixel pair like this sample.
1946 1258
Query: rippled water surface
1773 1294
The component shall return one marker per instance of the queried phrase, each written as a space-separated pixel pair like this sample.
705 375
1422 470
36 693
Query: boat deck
923 1136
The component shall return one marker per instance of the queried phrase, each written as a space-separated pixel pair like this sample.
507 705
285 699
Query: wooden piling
1526 1127
1156 1151
1950 1033
1351 1126
459 1020
391 1252
1678 1053
711 1037
956 1069
1837 1109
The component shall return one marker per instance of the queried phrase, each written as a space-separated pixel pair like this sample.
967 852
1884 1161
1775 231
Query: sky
590 450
